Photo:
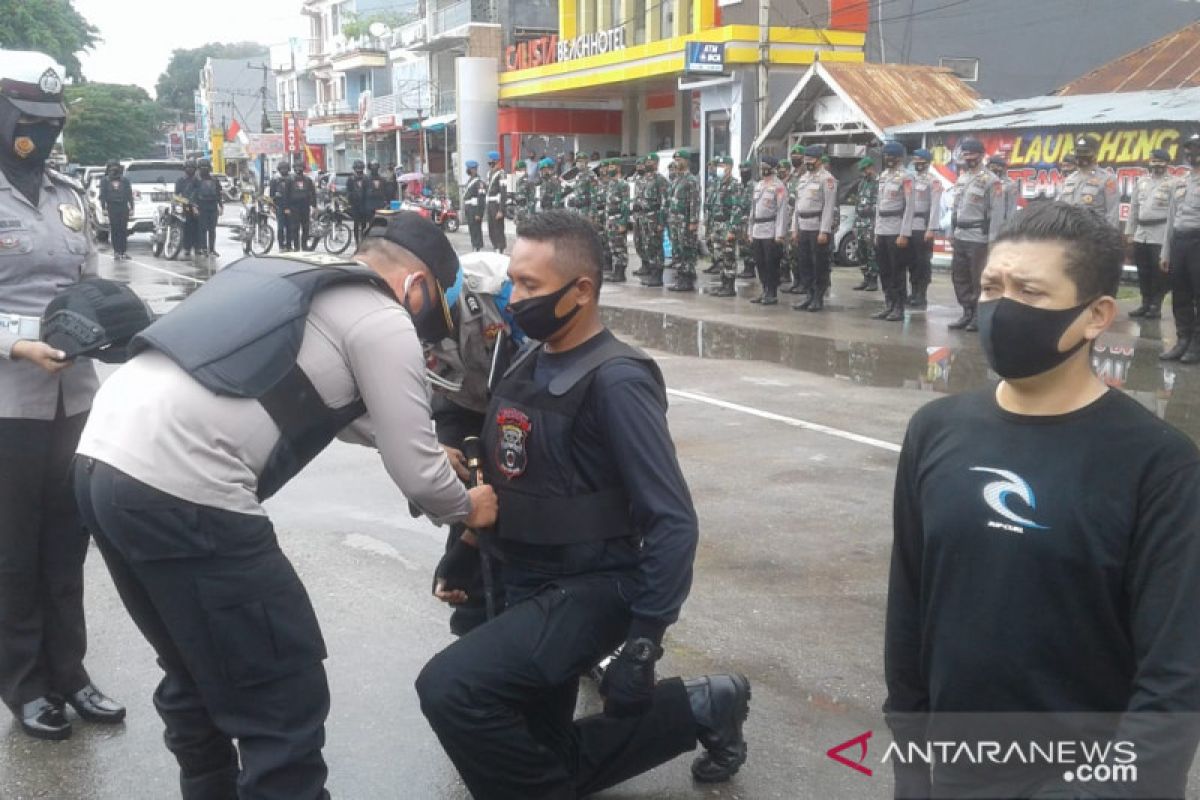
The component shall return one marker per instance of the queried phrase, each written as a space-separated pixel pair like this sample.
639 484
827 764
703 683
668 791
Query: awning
439 122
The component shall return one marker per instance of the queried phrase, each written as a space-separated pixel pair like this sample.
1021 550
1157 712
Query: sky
139 35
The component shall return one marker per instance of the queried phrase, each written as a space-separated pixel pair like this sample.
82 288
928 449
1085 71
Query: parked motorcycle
254 229
169 221
332 225
232 189
444 213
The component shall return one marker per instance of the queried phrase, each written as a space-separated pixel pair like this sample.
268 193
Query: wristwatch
643 651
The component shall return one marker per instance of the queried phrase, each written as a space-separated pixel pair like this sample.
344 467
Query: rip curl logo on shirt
997 494
512 434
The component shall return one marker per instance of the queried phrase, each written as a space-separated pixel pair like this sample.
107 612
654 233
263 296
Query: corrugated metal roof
882 94
891 94
1172 62
1175 105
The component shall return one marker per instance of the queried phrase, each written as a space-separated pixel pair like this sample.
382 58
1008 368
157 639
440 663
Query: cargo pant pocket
261 621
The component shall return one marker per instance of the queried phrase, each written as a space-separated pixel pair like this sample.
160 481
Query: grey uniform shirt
43 249
816 198
893 204
926 203
1184 214
1010 199
978 206
768 215
1096 190
1148 210
154 422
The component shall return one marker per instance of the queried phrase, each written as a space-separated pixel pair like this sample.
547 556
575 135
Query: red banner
293 134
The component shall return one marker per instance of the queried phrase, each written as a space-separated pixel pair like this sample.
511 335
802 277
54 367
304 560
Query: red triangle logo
860 741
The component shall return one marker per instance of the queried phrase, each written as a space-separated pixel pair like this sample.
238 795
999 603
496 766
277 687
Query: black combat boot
886 311
968 316
1141 310
725 289
1154 311
897 312
1192 354
683 283
653 278
720 705
770 297
918 300
641 271
747 273
805 303
714 269
1182 341
217 784
618 275
818 299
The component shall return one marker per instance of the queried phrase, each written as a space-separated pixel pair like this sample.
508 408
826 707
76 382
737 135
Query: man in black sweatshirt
1047 548
597 535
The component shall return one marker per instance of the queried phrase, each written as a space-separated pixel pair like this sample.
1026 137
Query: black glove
461 568
628 683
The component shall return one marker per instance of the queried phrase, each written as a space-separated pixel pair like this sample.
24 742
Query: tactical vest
239 335
529 459
478 356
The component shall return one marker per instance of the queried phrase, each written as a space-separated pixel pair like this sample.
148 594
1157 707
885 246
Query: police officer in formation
893 230
811 227
725 221
299 199
497 200
356 186
655 198
1181 257
926 222
474 204
768 228
866 195
212 415
978 205
1144 231
1067 166
549 189
44 401
998 165
116 194
616 220
379 191
210 203
683 218
277 189
744 242
525 197
595 557
1092 186
185 190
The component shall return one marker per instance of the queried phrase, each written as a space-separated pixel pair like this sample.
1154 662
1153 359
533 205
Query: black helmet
1085 146
95 317
373 165
112 162
204 163
358 164
189 164
283 166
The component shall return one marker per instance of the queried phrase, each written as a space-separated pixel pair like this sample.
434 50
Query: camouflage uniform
710 192
526 195
655 196
599 213
866 194
789 262
637 220
616 223
726 220
683 218
583 193
550 189
744 243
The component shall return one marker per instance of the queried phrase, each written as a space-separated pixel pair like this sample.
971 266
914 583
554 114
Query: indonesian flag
235 133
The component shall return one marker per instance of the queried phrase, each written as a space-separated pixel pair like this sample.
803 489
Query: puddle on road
1129 363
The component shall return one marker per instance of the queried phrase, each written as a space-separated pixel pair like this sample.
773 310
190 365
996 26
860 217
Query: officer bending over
597 534
209 419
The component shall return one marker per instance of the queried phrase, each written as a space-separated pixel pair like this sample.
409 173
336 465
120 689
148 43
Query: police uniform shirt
157 424
1184 215
893 216
497 188
1151 203
769 218
43 248
926 203
1096 190
978 206
815 199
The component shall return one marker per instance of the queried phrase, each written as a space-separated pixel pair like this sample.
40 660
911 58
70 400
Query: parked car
153 185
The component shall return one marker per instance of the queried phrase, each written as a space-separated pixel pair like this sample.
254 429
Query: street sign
705 58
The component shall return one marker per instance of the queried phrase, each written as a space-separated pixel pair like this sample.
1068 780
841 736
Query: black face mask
745 174
972 161
430 321
1158 170
535 315
797 163
205 173
1083 162
920 166
812 166
41 135
189 172
1021 340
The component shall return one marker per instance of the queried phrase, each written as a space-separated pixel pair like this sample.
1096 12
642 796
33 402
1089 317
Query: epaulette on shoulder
59 177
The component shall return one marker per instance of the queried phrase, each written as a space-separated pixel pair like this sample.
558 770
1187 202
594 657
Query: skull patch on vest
512 433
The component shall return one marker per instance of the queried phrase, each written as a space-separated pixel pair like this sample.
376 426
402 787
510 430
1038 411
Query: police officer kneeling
226 398
597 534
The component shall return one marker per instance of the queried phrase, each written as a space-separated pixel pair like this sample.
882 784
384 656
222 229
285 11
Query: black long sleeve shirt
116 192
621 437
1049 564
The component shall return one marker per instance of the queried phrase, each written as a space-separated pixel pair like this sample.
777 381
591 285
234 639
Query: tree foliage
108 120
175 86
53 27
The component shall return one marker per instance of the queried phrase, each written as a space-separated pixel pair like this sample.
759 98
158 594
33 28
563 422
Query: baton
473 452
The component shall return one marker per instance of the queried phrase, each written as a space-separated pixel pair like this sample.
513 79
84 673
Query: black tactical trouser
502 699
812 260
281 225
766 261
921 265
234 632
1185 281
496 227
297 226
118 227
475 226
206 228
893 268
1151 281
966 265
43 545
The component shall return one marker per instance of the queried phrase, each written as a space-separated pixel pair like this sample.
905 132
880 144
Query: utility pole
764 60
265 126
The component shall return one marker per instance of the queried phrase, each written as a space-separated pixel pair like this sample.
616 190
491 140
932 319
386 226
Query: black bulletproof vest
208 193
529 455
239 335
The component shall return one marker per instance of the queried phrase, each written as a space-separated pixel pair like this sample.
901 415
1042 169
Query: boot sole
47 736
728 770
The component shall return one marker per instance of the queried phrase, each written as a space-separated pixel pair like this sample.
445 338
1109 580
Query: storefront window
687 17
615 16
662 135
717 129
639 21
667 18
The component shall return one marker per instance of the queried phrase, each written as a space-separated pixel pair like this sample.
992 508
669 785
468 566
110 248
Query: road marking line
144 265
815 427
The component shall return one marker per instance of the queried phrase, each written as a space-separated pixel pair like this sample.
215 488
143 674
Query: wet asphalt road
789 588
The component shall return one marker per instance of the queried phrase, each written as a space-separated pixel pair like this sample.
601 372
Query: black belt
765 219
921 216
891 213
1152 221
810 214
970 226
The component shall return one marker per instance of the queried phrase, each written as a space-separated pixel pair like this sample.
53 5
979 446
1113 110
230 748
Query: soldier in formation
616 219
655 197
684 221
866 193
725 221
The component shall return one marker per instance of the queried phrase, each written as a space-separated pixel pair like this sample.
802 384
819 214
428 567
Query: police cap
1085 145
971 146
723 161
747 164
358 164
652 158
472 164
423 239
894 148
814 151
998 160
1192 141
770 161
922 154
521 164
1159 155
683 153
866 161
95 317
797 150
493 156
33 82
546 163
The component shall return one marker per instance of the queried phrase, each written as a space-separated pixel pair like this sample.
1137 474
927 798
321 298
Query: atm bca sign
705 58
